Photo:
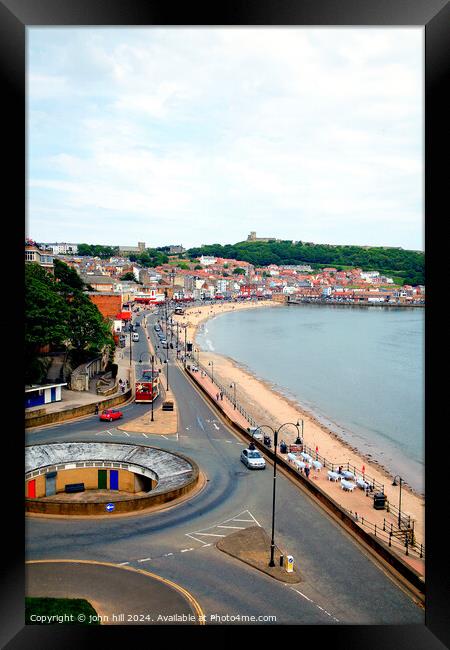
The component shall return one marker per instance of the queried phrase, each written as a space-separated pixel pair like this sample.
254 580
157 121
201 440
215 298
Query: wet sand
266 404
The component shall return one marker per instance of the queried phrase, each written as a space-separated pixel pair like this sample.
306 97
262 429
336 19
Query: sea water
359 370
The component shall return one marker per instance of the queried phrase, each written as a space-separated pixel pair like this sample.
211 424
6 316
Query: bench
74 487
167 406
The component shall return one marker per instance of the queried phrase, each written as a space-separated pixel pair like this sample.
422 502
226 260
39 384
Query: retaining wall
32 420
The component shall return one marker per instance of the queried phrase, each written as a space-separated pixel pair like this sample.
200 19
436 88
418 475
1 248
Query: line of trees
409 266
59 313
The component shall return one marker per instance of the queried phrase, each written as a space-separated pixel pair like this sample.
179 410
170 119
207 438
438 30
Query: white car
253 459
256 433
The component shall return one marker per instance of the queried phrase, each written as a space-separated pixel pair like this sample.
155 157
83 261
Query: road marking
216 426
315 604
200 423
162 436
239 527
123 563
167 554
229 441
145 435
127 434
198 535
145 559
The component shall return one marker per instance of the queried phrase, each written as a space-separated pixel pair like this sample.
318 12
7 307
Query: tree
89 332
129 276
67 276
238 271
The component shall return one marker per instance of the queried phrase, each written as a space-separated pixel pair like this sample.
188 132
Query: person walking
96 409
307 470
217 397
221 395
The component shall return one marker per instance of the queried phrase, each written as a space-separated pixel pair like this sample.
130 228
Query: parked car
255 433
111 414
253 459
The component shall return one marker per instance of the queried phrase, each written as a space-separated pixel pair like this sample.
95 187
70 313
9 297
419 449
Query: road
340 582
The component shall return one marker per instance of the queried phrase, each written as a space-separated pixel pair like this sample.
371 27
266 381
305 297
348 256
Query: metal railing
392 536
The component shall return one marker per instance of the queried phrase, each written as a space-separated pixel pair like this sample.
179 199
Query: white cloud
227 126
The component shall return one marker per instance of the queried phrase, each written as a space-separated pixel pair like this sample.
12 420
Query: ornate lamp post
211 363
275 443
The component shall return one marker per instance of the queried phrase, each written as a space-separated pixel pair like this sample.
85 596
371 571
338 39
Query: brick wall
108 304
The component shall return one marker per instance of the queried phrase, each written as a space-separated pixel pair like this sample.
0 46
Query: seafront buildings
208 278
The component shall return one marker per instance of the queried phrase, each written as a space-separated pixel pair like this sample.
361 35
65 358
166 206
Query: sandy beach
267 405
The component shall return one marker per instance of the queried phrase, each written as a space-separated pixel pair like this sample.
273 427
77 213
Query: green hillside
408 266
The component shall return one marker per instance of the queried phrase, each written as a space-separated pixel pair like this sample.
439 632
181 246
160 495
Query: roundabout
70 479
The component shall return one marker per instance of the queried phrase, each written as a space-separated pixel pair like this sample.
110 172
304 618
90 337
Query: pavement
252 546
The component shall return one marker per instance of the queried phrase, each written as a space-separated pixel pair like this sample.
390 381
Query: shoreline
265 401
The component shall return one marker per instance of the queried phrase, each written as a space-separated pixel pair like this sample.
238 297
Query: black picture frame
15 17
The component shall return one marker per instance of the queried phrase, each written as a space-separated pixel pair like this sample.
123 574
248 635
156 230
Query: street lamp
233 385
394 483
211 363
152 358
299 441
275 442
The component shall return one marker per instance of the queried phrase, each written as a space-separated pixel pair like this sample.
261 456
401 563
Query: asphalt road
340 582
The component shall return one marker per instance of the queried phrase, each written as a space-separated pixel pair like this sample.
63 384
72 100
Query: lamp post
211 363
275 443
394 483
152 358
185 345
299 441
233 385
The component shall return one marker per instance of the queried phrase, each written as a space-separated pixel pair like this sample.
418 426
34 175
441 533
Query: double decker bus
147 386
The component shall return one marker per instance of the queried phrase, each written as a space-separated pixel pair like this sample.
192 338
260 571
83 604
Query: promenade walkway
358 503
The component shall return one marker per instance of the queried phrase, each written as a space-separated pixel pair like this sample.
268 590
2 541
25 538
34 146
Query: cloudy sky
199 135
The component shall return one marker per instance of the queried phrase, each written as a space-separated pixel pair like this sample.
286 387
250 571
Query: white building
63 248
207 260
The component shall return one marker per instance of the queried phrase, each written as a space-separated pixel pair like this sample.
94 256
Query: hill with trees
404 265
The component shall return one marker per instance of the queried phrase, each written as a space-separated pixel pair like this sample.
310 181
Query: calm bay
359 370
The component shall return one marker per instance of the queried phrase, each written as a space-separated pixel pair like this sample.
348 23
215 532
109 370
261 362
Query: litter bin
379 501
289 564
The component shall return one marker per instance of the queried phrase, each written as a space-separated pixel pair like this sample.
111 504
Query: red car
111 414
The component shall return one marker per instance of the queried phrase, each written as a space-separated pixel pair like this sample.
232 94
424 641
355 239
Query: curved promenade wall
176 475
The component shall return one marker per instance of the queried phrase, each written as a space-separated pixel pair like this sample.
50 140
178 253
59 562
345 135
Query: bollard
289 564
281 560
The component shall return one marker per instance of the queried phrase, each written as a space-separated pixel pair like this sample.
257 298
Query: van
135 336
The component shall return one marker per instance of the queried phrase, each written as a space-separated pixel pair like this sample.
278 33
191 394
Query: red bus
147 390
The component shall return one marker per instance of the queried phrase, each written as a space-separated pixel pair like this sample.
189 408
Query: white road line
145 435
211 534
239 527
216 426
167 554
315 604
200 423
164 437
123 563
197 540
250 521
127 434
145 559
